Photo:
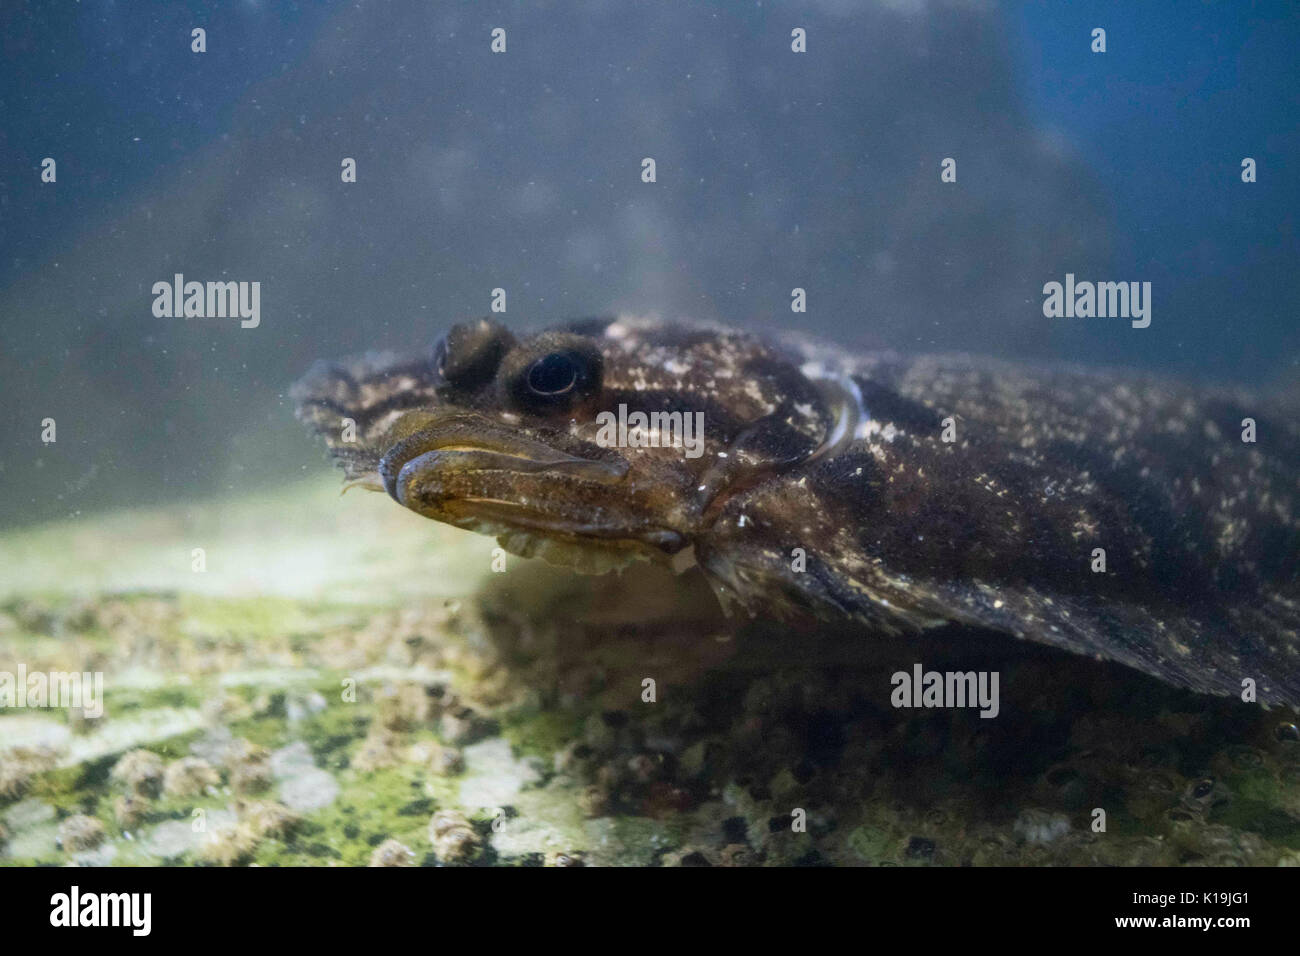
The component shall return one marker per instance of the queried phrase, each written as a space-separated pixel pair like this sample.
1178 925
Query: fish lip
467 442
507 452
588 469
520 518
405 461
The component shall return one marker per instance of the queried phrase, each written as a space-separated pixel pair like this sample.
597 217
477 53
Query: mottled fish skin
902 530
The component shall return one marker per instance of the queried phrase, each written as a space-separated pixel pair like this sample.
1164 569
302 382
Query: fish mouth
462 458
476 474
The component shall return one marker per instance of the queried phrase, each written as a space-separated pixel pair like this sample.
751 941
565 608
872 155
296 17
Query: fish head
590 445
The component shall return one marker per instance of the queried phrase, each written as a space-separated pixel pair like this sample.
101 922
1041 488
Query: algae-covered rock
453 838
141 771
80 832
402 704
393 853
189 777
130 810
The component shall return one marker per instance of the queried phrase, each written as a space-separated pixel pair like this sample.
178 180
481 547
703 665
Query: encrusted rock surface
512 724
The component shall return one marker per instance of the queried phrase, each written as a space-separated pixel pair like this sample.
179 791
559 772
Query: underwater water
321 679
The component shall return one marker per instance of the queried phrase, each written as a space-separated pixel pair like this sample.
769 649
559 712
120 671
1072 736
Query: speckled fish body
900 492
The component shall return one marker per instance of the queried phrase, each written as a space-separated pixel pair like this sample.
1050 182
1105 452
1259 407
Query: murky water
189 219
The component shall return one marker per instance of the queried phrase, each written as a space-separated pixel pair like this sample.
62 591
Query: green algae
873 845
373 806
538 732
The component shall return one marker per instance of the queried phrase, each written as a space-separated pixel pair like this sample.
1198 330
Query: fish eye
468 355
553 374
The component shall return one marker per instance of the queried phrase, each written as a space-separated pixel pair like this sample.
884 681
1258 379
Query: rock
267 818
440 759
494 776
80 832
310 790
558 858
250 768
129 810
299 707
378 751
737 854
189 777
1040 826
454 839
465 725
593 800
230 847
18 765
410 706
392 853
171 839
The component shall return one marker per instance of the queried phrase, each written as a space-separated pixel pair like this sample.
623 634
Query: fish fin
764 581
1256 644
353 405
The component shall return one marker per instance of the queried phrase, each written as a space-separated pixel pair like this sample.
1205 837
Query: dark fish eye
553 374
468 355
